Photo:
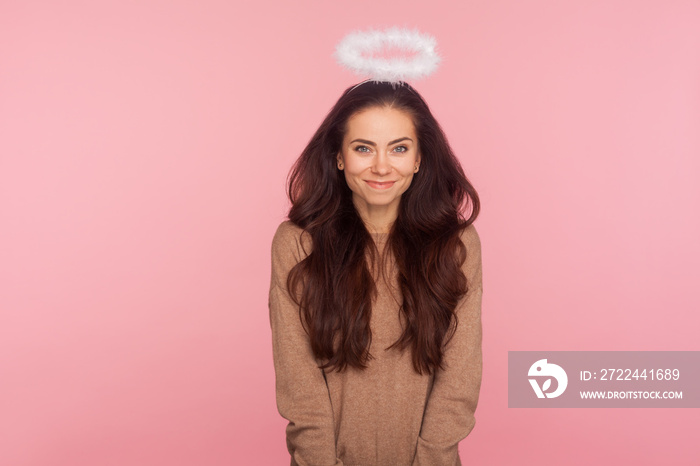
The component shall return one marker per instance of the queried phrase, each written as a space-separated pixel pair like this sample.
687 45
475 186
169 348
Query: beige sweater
387 414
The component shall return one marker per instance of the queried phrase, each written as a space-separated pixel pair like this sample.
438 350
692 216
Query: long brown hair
336 285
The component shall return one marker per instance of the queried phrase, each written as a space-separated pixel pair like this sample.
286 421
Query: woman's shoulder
470 237
287 232
472 264
290 237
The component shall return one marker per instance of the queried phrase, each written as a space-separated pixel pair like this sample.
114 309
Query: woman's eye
362 149
401 149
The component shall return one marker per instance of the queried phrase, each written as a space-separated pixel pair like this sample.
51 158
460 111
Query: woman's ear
339 161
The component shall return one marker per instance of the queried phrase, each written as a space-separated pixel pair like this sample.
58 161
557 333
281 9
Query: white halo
349 52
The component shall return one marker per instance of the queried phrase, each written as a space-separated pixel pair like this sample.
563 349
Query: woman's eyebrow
370 143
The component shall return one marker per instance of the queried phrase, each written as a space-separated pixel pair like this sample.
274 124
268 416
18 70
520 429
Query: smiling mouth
380 185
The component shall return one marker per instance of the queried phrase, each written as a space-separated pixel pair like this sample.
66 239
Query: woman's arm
449 413
302 393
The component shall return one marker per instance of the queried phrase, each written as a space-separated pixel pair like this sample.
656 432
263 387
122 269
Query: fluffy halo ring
349 53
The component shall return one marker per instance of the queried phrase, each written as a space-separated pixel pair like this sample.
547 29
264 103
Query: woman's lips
380 185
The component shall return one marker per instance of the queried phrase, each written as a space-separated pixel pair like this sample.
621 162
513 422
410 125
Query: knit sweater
387 414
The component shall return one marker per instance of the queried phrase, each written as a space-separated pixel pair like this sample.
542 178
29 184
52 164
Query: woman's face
379 156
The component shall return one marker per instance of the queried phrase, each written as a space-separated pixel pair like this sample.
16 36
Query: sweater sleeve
301 390
449 412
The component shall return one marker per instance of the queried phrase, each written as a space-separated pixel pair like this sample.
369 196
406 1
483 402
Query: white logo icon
542 369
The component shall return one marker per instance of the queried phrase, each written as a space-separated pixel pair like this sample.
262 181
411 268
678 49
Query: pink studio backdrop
144 148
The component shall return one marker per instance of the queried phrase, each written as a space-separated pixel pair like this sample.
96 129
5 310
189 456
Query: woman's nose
381 164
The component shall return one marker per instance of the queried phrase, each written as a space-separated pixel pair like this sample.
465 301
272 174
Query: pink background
144 148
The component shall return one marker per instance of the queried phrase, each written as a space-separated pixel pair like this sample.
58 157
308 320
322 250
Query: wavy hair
335 283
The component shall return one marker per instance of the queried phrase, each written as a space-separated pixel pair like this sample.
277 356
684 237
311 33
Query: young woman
375 296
